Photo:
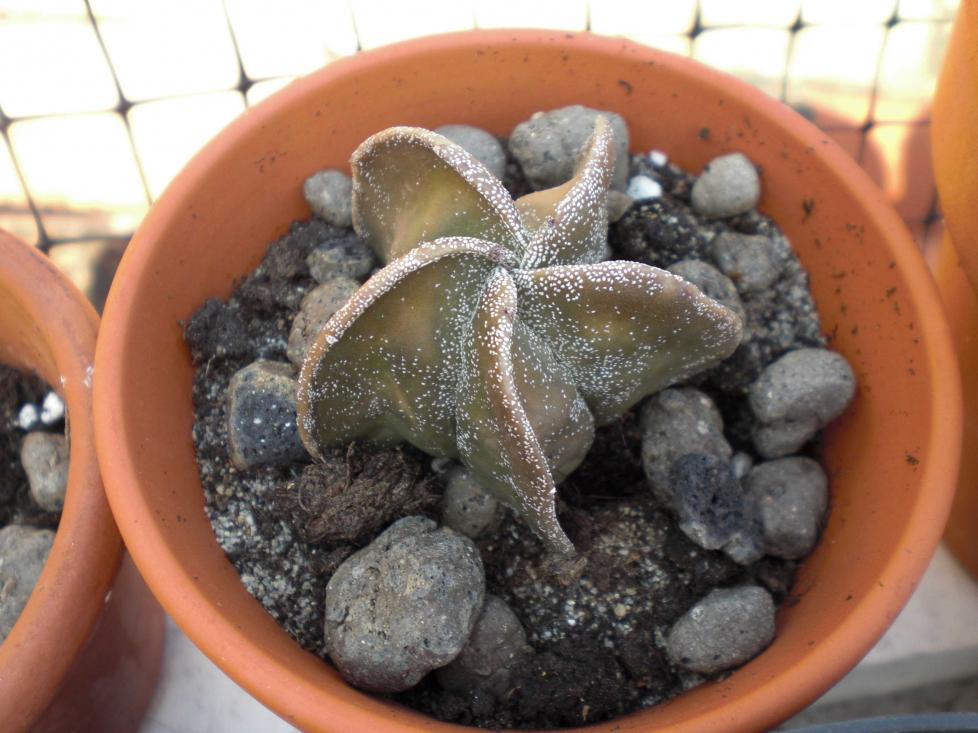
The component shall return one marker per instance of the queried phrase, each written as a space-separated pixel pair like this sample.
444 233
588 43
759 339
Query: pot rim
766 705
87 550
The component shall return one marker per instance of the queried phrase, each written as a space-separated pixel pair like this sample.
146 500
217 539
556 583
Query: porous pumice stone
549 144
729 185
329 194
496 643
262 415
404 605
45 460
318 306
725 629
467 507
792 497
796 396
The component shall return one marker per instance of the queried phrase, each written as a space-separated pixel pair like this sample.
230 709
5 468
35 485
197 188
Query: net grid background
103 101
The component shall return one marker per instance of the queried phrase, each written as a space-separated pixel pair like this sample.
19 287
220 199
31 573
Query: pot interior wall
887 457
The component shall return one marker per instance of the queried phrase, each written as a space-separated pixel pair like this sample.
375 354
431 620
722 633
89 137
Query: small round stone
792 497
404 605
643 187
676 422
480 144
318 306
347 257
329 194
466 507
549 145
797 395
725 629
618 204
496 643
23 552
729 185
44 457
749 260
262 415
711 281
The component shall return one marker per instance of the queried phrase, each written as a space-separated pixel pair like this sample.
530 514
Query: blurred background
103 101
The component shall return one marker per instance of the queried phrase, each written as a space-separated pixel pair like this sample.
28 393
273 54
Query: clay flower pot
85 652
956 171
892 458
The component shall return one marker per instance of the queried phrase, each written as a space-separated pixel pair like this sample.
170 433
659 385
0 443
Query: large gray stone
725 629
480 144
496 643
729 185
404 605
792 497
797 395
549 145
23 552
318 306
466 507
329 194
262 415
676 422
44 457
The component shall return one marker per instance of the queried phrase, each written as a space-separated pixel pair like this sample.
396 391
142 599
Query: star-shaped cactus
495 334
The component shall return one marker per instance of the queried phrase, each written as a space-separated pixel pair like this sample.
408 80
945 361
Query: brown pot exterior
892 457
84 654
954 139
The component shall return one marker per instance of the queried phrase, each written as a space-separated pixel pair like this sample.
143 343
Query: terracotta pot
85 652
892 457
956 170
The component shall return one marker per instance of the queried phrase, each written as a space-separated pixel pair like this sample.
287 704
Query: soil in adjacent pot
31 438
598 631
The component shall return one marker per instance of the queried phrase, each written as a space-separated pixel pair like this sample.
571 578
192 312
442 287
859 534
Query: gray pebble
348 257
484 665
797 395
741 464
404 605
480 144
725 629
23 552
466 507
728 186
792 498
45 460
262 415
708 499
643 187
549 144
318 306
330 196
711 281
749 260
676 422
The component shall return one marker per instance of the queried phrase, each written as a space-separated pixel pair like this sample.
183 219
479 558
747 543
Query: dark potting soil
598 627
16 504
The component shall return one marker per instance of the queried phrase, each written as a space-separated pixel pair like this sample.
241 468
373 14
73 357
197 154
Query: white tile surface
934 639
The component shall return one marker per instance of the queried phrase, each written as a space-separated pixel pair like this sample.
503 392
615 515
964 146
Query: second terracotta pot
892 459
85 652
